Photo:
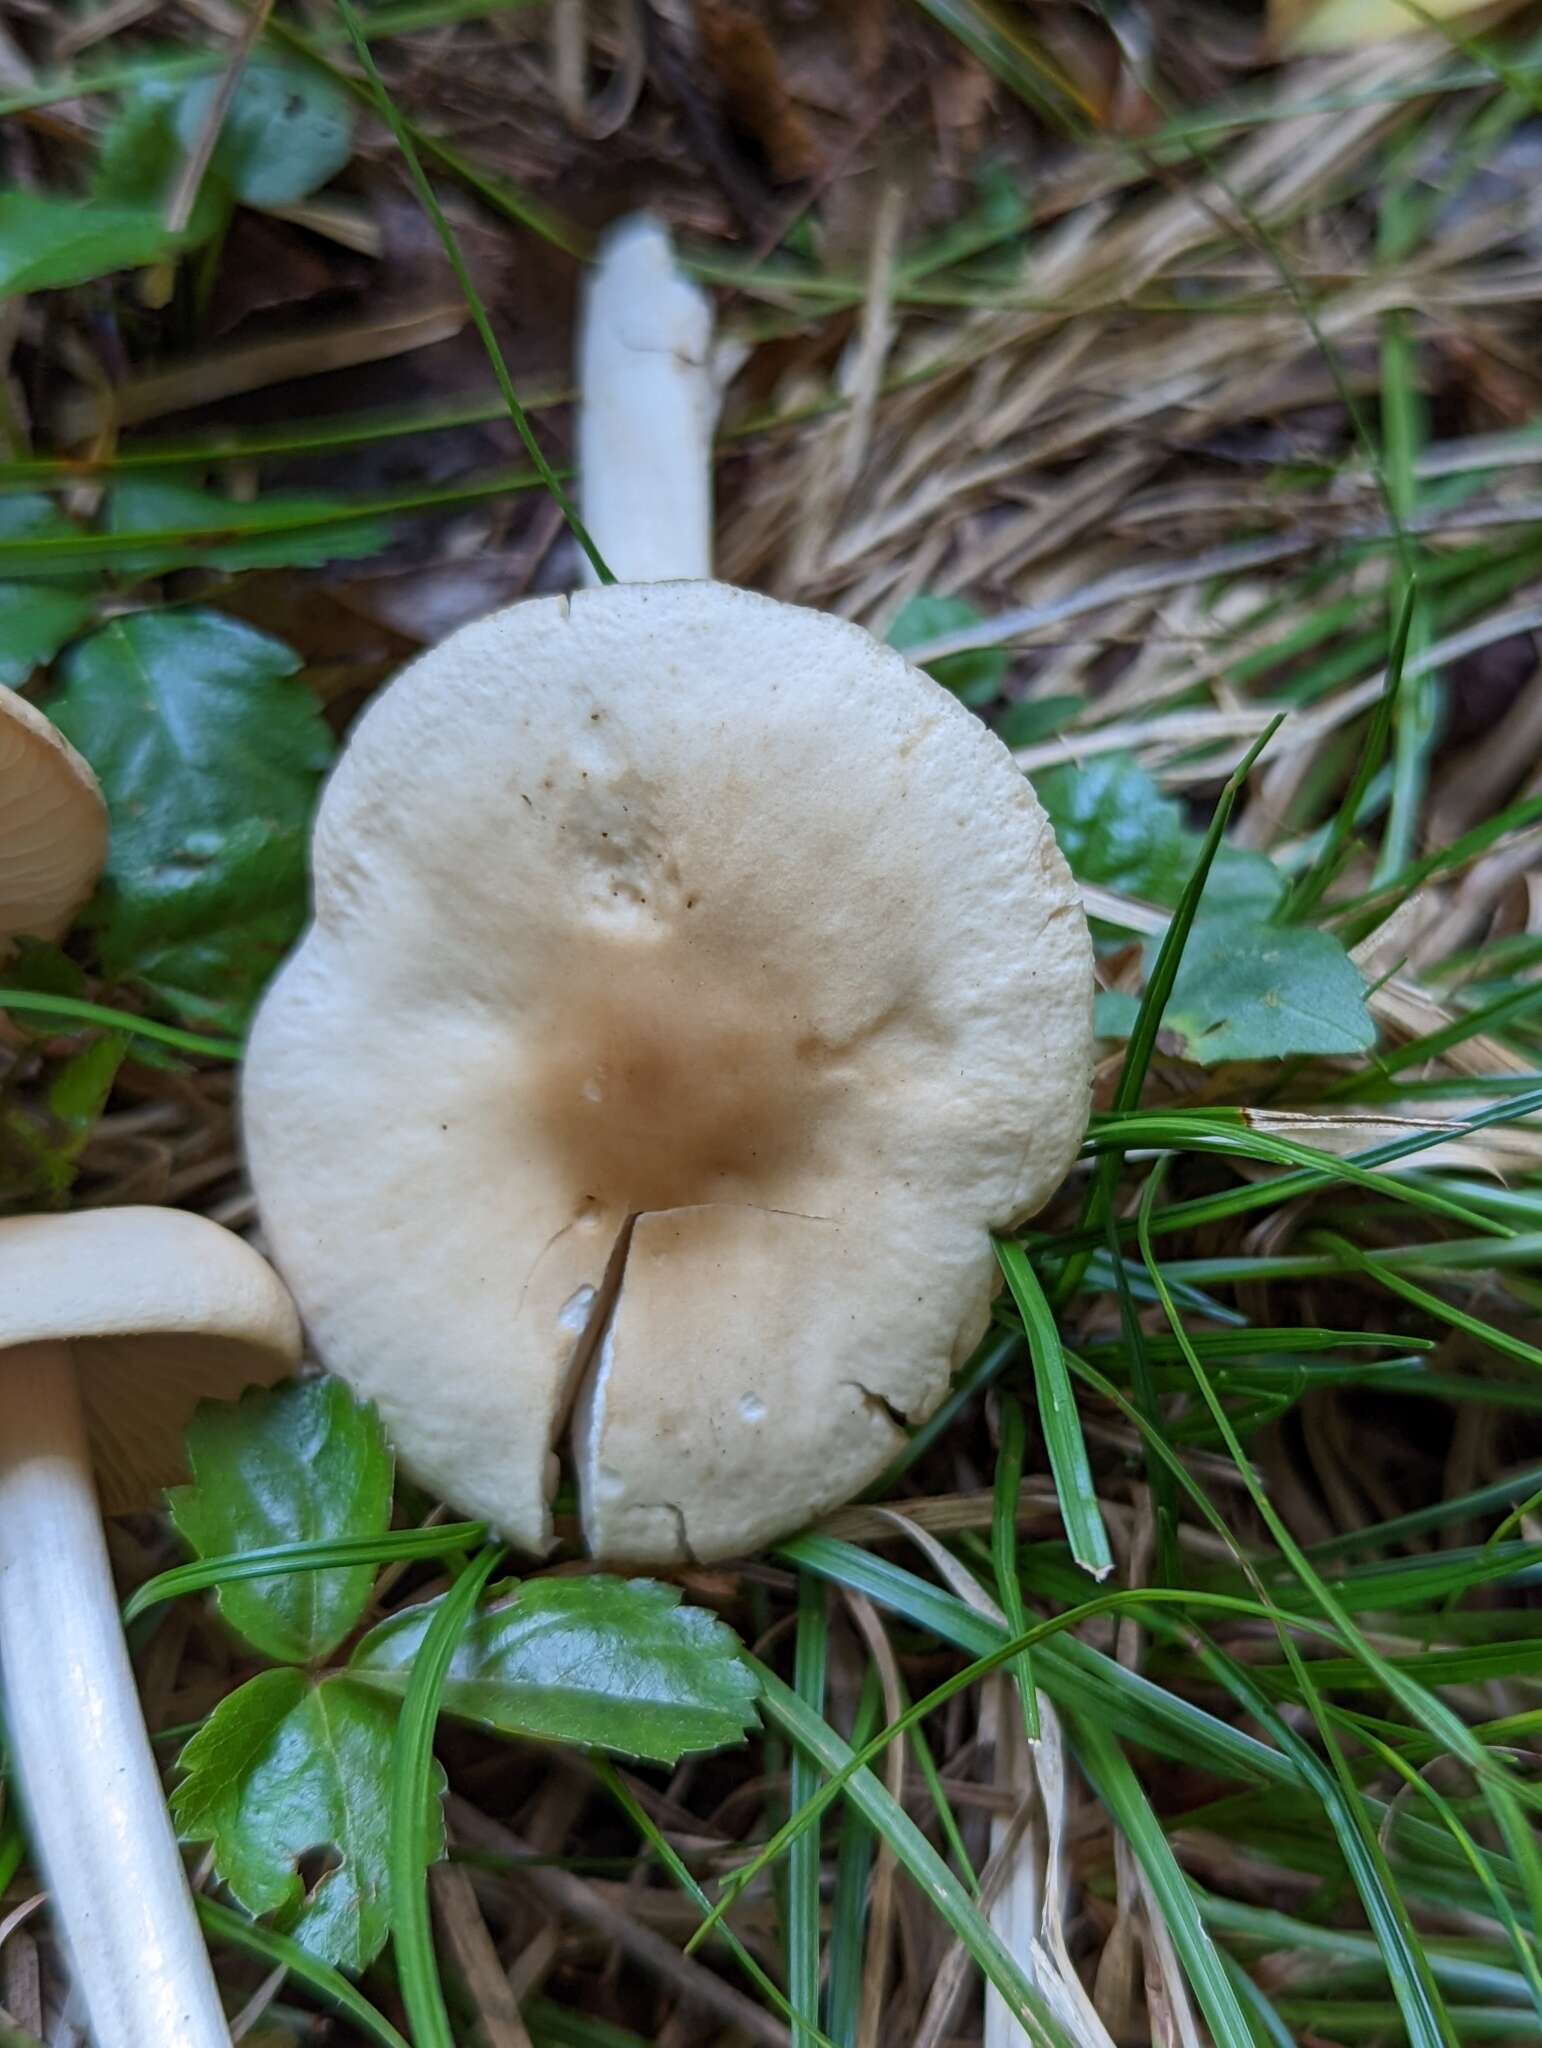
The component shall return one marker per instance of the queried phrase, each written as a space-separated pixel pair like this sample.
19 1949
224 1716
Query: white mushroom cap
160 1309
53 825
673 903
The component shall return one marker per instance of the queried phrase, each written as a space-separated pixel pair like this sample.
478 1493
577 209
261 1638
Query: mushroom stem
95 1805
649 403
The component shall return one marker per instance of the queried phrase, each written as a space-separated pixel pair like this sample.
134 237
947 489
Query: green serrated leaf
1117 829
1253 991
285 133
209 756
974 678
291 1768
274 532
617 1663
301 1463
51 239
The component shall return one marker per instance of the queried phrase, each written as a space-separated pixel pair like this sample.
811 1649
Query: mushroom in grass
693 987
114 1324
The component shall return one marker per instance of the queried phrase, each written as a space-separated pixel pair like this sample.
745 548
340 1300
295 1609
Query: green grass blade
848 1907
28 1001
1137 1056
412 1753
430 204
1240 1201
664 1849
811 1658
1108 1771
1073 1674
1009 1591
1147 1601
1058 1418
1310 885
278 1951
916 1855
393 1546
1421 1706
1420 1297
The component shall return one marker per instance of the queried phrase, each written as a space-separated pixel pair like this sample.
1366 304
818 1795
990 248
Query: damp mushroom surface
693 987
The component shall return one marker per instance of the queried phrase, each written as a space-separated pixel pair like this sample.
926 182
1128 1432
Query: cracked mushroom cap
160 1309
53 838
693 986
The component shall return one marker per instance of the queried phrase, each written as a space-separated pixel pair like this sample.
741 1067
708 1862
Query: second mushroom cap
693 986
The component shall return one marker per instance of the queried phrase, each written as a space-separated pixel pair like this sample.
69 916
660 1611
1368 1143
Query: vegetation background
1165 377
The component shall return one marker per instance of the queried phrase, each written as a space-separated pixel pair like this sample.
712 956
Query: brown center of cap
664 1082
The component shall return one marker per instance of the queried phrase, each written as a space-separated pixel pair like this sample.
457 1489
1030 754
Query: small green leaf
275 532
618 1663
1116 829
1114 1013
1253 991
289 1768
974 678
300 1464
140 158
31 516
285 133
35 621
209 757
78 1091
1033 719
1240 879
50 239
